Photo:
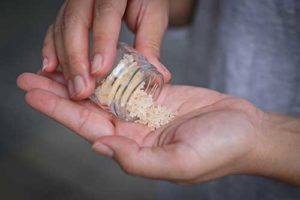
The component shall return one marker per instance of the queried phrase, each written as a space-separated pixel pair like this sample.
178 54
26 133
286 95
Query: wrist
277 150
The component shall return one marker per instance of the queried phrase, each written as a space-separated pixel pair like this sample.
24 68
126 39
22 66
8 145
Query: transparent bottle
130 71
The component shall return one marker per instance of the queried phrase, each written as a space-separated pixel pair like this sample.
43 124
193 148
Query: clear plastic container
130 71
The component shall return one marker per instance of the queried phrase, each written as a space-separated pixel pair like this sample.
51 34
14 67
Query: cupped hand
67 39
212 135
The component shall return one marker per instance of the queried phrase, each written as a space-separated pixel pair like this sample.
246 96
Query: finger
55 76
81 120
159 66
59 46
151 162
29 81
150 31
76 22
48 52
106 27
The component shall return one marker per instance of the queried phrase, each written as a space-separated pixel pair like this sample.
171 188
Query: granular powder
126 86
141 106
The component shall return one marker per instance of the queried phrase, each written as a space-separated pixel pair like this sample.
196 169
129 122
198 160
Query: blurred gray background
40 159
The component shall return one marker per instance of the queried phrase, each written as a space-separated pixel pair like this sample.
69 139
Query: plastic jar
130 71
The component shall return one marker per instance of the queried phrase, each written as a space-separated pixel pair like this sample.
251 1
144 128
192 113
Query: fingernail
97 63
78 85
71 88
103 149
45 64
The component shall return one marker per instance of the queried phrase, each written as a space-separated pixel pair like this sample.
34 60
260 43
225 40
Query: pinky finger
49 56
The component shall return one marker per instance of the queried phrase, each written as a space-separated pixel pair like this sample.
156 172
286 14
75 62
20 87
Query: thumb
151 162
158 65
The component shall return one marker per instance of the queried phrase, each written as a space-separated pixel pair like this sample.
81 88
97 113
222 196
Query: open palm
210 136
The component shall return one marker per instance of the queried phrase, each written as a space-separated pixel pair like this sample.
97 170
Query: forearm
278 150
181 12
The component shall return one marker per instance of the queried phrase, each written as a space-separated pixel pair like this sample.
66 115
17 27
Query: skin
212 135
181 12
67 39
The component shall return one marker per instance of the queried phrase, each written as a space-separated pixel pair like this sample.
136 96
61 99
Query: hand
212 135
67 40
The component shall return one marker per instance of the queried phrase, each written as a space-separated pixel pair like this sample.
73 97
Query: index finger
84 122
106 28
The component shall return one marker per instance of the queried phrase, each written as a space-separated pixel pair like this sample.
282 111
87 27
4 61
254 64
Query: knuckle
74 59
152 46
71 18
57 29
106 7
103 37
